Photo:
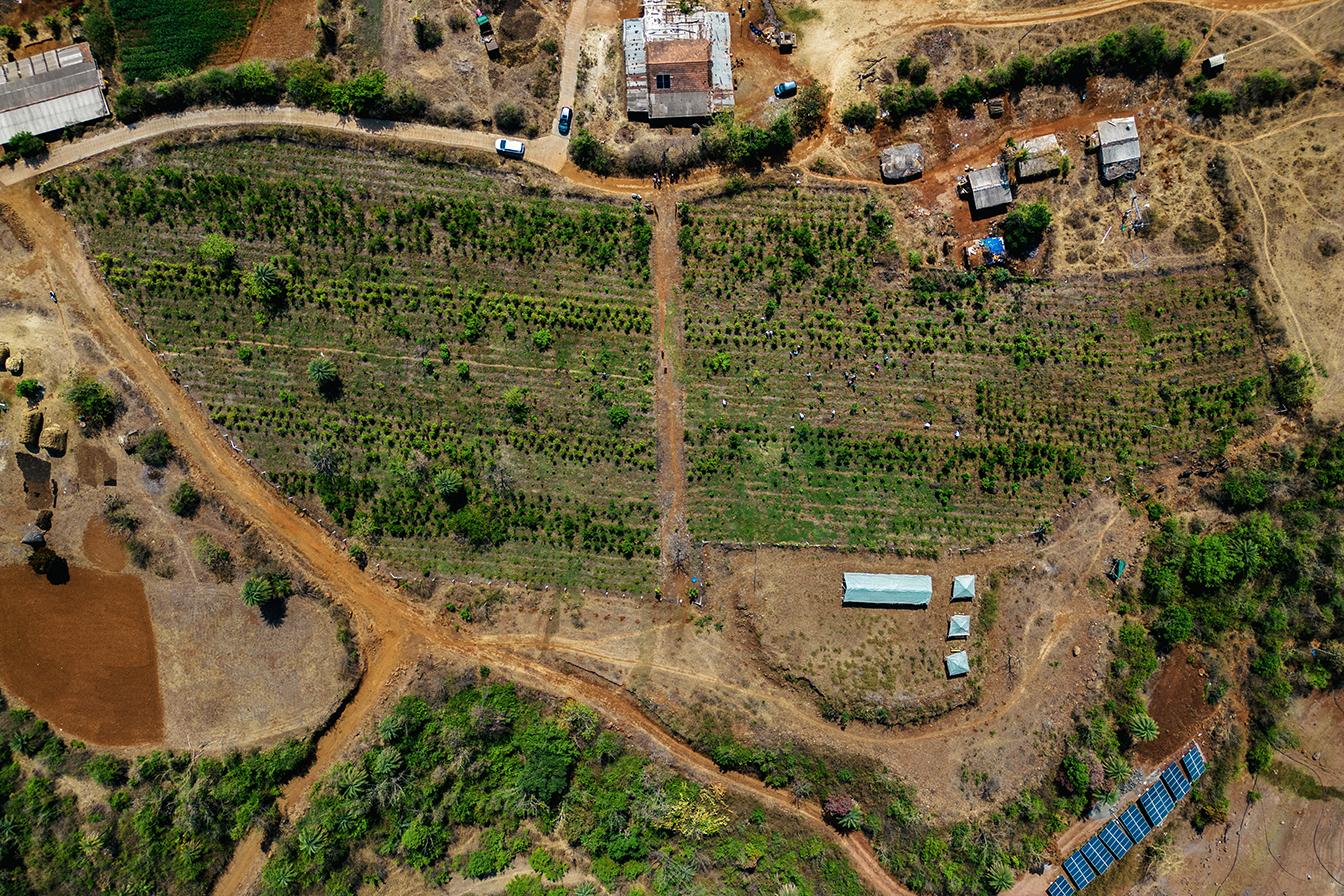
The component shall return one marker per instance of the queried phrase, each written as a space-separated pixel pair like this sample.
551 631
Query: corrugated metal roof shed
957 664
989 187
1041 156
887 590
902 162
1118 139
48 91
636 67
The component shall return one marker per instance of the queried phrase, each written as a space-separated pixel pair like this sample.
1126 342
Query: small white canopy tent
963 587
959 627
958 664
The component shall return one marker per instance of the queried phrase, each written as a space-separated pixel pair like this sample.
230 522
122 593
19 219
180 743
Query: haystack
14 364
32 427
53 439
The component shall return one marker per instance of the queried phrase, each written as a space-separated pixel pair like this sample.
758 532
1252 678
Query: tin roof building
678 66
1118 142
46 92
1040 157
989 187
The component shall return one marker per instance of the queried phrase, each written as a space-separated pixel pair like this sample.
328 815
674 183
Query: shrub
11 36
27 144
719 362
543 339
591 154
29 389
917 71
510 117
254 82
95 403
619 415
308 83
963 93
729 141
515 403
218 249
902 103
1294 383
154 448
1211 103
361 96
428 33
185 500
809 109
213 557
1173 626
1245 490
109 771
861 114
1267 87
1023 227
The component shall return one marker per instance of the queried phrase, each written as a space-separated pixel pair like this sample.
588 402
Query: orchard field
836 396
450 362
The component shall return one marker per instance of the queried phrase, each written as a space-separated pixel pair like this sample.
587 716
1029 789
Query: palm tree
852 820
1000 878
322 371
1142 727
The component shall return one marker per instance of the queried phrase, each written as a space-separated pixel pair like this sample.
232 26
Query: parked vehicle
514 149
786 89
566 116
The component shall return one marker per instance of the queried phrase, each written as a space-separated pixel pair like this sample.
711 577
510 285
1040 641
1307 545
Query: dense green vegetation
816 358
159 39
164 823
483 778
473 327
1272 575
305 82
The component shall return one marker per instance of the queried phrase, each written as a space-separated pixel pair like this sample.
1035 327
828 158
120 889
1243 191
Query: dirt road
674 538
386 622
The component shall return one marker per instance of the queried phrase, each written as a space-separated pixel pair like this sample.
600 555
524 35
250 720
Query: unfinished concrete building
678 66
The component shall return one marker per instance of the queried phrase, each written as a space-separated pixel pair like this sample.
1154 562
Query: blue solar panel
1193 760
1079 870
1060 887
1175 781
1156 803
1115 838
1097 855
1135 824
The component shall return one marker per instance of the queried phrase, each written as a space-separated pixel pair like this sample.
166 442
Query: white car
514 149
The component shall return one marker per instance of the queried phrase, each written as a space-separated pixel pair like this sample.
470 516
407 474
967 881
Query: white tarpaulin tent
963 588
957 664
887 590
959 627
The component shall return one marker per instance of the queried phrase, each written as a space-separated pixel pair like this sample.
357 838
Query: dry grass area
458 78
225 676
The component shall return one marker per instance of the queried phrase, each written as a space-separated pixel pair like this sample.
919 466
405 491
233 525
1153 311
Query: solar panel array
1116 840
1135 824
1098 856
1060 887
1176 782
1118 837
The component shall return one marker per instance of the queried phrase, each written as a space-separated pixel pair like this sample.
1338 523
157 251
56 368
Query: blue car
566 115
786 89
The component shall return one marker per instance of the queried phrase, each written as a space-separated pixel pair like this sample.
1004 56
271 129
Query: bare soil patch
82 654
96 466
280 31
102 547
1177 704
